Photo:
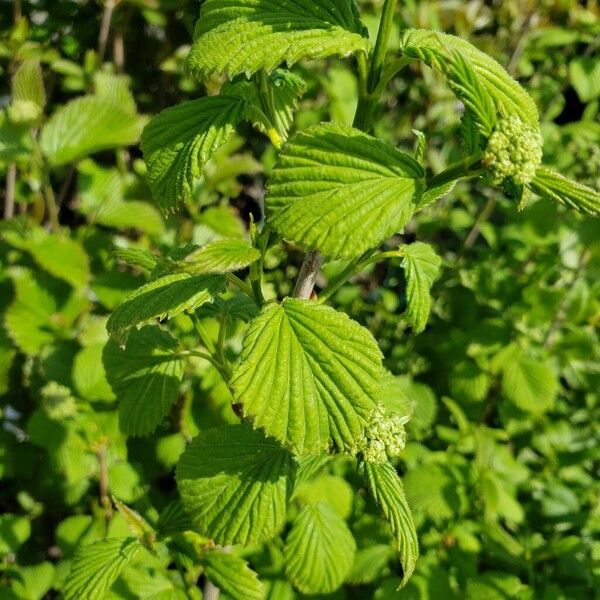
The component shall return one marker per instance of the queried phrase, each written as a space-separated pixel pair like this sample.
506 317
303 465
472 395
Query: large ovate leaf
421 265
96 567
308 375
145 378
553 186
244 36
341 191
439 50
87 125
235 483
179 141
232 575
162 298
221 256
319 550
387 491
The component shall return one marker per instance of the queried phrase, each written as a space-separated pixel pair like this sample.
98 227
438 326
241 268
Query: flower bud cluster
384 437
513 152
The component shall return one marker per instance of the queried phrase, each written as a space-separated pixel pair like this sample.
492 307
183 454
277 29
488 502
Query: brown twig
9 196
109 7
309 272
483 216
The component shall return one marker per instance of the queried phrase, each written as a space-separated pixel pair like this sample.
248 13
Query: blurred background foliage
501 468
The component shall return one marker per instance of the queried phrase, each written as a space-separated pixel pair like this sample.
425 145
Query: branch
309 272
9 195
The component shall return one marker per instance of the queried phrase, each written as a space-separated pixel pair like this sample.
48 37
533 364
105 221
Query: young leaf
179 141
221 256
421 265
162 298
87 125
232 576
438 51
28 84
96 567
307 375
241 36
235 483
319 550
145 377
474 95
553 186
341 191
386 488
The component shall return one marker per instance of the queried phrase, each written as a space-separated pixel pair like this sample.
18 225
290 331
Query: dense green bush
422 382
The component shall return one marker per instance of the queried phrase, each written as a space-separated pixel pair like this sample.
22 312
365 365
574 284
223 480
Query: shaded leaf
232 576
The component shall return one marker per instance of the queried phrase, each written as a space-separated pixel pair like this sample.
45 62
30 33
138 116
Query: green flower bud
513 152
383 438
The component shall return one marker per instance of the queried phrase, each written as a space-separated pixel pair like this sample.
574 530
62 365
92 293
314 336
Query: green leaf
241 36
161 299
232 576
438 51
221 256
328 489
89 375
15 140
57 254
96 567
341 191
584 74
468 382
421 265
466 84
137 257
28 84
284 87
41 309
319 550
235 483
551 185
529 384
179 141
307 375
34 582
145 377
386 488
87 125
369 564
14 532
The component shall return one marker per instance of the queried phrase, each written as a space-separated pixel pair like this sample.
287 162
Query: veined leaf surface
244 36
96 567
438 51
319 550
308 375
235 483
179 141
553 186
341 191
421 265
145 377
221 256
387 491
232 575
162 298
